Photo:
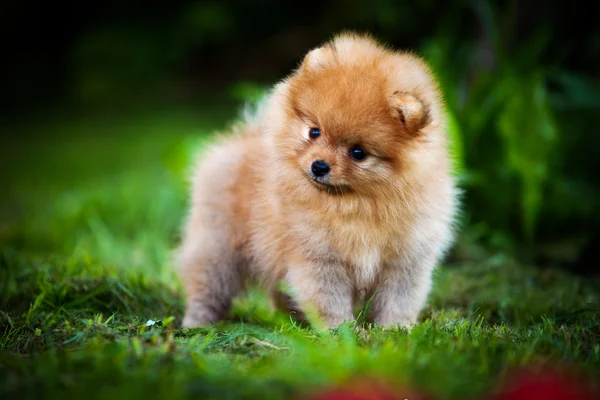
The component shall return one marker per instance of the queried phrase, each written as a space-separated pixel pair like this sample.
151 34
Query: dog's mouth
328 187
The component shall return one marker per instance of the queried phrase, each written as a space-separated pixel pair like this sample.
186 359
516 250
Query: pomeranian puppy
339 186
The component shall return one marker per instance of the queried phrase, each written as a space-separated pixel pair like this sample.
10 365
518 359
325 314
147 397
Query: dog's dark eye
357 153
314 133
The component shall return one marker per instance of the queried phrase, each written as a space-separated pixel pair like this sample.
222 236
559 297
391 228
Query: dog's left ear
318 58
411 112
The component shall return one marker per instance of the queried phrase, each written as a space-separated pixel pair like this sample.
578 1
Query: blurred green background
521 81
104 105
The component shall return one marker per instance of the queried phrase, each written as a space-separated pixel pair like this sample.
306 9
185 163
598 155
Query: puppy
340 187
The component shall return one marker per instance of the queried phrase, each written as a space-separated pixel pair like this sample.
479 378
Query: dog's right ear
319 58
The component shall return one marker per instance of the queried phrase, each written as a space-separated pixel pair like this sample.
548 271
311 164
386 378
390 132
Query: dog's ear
319 57
410 111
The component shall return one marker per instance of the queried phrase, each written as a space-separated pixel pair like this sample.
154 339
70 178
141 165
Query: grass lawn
90 211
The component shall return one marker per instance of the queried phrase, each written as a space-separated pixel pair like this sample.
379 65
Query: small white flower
150 322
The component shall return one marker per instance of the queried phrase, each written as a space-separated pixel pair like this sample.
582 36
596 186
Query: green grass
90 214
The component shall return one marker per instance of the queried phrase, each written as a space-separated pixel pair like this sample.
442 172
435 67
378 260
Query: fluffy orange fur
370 227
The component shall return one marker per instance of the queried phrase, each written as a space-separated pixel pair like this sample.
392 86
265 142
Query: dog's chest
363 246
365 249
365 265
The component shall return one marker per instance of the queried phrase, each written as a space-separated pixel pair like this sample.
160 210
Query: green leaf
528 131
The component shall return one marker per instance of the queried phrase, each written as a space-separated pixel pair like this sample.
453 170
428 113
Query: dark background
521 79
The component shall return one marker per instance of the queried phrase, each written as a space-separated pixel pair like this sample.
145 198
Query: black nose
320 168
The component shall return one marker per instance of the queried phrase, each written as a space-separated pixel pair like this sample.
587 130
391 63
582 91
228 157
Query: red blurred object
527 385
366 391
546 386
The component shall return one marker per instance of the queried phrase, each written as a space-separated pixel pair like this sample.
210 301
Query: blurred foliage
521 83
510 107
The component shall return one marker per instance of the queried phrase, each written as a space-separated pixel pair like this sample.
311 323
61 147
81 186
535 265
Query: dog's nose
320 168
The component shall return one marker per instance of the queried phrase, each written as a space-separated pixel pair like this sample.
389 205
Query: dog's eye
314 133
357 153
